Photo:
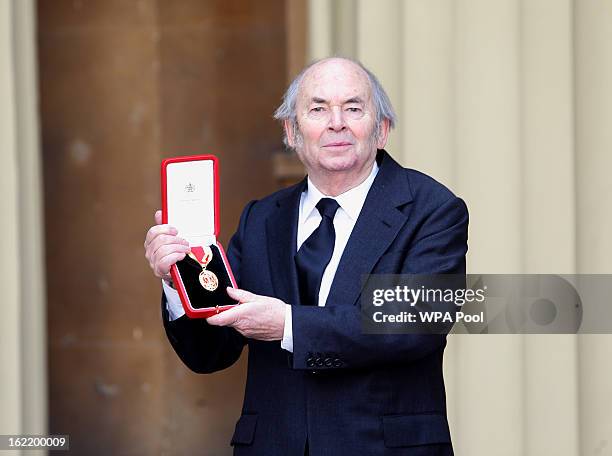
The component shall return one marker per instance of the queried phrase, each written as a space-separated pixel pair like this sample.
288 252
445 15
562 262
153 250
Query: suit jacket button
319 362
310 362
328 362
337 362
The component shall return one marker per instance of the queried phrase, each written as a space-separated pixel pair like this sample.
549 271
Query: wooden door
122 85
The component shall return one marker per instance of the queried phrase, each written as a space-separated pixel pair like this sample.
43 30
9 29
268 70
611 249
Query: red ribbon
201 255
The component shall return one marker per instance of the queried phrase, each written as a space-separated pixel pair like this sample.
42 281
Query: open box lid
190 197
190 202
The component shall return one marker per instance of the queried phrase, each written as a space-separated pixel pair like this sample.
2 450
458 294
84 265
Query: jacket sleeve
202 347
331 337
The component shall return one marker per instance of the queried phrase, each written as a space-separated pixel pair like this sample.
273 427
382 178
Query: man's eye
353 109
317 109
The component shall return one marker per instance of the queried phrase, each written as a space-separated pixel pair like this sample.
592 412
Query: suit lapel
378 224
281 230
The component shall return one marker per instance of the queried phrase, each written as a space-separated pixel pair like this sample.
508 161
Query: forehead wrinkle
337 71
320 100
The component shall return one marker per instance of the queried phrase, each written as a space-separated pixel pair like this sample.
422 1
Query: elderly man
316 383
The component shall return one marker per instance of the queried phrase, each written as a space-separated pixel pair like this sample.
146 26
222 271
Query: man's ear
383 134
289 133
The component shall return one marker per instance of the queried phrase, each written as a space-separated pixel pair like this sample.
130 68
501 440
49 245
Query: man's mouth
338 144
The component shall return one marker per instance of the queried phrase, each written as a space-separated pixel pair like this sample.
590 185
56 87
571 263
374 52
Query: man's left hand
257 317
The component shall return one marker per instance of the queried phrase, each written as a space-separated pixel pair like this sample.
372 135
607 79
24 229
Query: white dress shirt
309 219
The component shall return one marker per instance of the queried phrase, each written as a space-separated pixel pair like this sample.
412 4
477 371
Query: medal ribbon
202 255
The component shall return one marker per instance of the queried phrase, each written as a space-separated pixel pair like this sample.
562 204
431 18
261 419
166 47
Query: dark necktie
315 253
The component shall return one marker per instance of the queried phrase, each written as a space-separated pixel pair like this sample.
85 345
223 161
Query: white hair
382 105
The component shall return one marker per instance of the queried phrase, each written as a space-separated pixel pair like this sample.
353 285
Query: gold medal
208 280
203 255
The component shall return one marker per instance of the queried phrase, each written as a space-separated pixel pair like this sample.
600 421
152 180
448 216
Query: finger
155 255
167 249
157 230
166 240
241 295
226 318
162 268
158 217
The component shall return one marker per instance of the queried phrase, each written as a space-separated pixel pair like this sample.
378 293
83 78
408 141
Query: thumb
158 217
241 295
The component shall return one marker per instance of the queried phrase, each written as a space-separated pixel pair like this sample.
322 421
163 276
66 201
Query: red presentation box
190 203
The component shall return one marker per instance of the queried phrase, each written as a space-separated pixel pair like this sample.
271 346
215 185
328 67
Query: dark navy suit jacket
345 392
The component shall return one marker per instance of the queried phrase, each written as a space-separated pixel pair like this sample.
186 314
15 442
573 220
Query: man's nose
336 120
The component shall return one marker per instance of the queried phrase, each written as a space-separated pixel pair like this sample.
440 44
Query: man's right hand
163 248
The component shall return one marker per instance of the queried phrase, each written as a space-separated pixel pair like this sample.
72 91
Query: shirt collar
350 201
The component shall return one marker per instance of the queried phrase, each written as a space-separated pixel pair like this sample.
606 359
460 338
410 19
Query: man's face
336 119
